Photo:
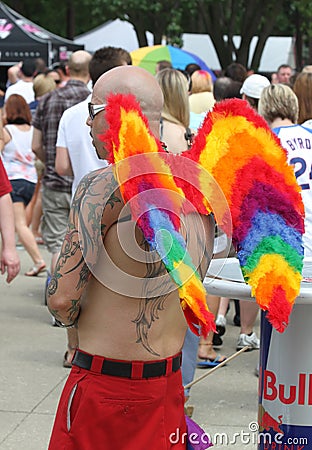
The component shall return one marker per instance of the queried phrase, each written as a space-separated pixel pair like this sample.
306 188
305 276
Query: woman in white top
19 161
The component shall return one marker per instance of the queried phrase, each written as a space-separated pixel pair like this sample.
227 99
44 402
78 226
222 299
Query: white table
224 278
285 375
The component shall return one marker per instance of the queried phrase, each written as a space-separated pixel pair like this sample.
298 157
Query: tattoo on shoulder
96 192
85 229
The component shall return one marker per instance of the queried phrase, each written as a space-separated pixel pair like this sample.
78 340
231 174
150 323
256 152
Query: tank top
18 157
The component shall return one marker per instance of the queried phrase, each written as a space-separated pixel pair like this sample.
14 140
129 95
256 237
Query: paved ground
32 376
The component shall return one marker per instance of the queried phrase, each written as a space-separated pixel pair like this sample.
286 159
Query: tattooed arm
95 207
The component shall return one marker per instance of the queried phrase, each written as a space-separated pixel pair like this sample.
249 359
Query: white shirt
18 157
23 88
74 134
297 141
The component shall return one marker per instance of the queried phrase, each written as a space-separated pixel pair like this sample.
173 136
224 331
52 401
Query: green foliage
44 13
304 8
174 31
53 16
221 19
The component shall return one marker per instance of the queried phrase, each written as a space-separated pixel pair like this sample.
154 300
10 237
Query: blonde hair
278 101
174 86
201 81
307 69
43 84
303 90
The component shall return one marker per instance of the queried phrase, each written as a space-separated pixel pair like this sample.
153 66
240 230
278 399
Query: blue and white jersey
297 140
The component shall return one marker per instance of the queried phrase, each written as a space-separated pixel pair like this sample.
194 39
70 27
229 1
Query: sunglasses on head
95 109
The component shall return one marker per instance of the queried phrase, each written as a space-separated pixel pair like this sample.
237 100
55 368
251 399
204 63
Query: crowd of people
51 151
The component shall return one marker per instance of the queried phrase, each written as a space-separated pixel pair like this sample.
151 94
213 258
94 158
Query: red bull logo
267 421
285 398
300 393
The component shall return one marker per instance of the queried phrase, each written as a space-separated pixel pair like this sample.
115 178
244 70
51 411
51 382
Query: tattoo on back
151 305
158 286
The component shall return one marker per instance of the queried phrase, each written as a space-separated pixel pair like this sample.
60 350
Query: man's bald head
132 80
78 64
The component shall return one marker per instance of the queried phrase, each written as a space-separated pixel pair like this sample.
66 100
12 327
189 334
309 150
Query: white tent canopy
116 33
119 33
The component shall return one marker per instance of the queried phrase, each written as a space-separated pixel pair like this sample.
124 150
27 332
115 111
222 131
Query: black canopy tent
20 39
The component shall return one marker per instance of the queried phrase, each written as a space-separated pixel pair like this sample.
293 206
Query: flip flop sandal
35 270
209 363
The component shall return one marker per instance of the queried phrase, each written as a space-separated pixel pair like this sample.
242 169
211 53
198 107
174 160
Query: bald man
125 389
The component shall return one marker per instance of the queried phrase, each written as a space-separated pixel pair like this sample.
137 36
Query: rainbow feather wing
244 157
146 182
237 147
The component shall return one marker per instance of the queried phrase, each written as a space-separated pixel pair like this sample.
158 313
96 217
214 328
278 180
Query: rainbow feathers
239 170
237 147
146 182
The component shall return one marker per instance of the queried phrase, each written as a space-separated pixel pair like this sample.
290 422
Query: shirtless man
125 389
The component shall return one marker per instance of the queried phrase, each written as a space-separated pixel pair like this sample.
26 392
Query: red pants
102 412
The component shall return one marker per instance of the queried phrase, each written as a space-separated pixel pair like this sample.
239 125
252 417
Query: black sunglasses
95 109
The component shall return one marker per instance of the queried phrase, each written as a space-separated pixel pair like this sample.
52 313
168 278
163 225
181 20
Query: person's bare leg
205 347
25 234
248 314
223 306
220 319
31 205
36 217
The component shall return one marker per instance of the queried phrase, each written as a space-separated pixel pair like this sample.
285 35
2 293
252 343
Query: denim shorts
22 191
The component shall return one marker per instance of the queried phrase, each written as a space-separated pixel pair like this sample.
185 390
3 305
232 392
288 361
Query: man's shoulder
19 87
74 92
77 109
96 186
72 86
11 87
290 131
18 84
64 97
103 174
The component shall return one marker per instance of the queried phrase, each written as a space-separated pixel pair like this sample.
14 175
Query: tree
222 20
162 18
67 19
302 12
225 19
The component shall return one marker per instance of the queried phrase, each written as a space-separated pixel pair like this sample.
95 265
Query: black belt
134 369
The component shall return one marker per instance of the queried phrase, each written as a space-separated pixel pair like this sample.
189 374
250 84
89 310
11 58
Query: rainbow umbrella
147 58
